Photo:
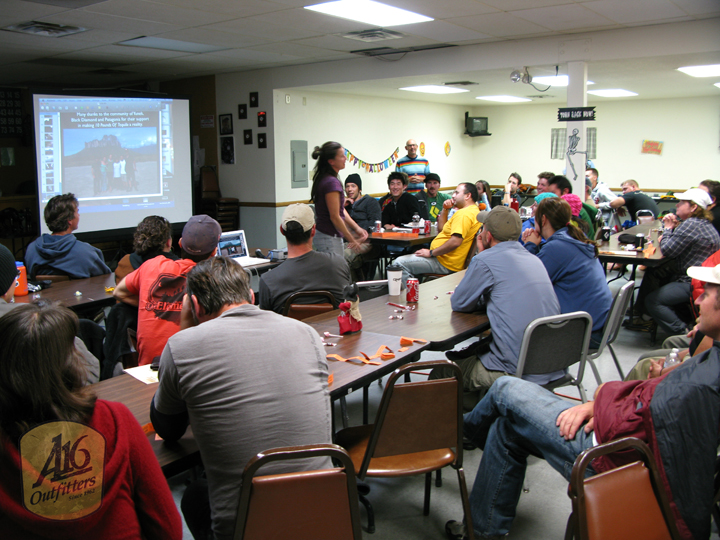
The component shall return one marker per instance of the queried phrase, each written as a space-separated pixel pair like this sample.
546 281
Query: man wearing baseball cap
677 414
491 283
158 286
688 239
433 198
304 269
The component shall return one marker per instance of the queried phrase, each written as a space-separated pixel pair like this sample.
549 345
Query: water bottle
672 359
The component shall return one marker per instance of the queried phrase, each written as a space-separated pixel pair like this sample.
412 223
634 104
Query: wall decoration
262 140
227 150
422 149
652 147
207 121
371 167
262 119
254 102
7 156
242 111
11 112
226 127
573 141
447 148
247 136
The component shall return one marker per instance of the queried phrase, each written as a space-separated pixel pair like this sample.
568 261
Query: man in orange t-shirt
158 285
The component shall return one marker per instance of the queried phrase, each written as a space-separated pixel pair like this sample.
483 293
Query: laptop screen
232 244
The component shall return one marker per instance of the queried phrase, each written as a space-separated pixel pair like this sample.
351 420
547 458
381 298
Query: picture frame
225 124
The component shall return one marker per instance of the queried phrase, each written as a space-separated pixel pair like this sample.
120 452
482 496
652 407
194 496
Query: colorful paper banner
372 167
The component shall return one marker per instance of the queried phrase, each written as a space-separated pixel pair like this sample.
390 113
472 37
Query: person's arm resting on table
123 294
168 412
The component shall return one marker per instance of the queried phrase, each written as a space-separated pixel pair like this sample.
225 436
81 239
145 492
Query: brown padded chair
309 505
418 429
301 311
225 210
626 503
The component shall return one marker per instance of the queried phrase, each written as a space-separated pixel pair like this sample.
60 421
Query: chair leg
428 485
595 371
617 362
438 478
364 489
466 504
344 412
570 529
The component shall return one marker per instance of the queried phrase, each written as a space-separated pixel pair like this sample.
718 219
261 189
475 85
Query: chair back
304 304
209 183
615 317
626 503
317 505
418 416
555 343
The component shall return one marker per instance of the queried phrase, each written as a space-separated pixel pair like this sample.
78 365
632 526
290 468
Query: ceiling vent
369 36
540 96
37 28
461 83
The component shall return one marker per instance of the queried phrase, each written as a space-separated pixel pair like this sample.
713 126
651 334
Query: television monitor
476 126
123 157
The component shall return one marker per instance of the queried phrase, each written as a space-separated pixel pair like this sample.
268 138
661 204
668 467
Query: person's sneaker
455 530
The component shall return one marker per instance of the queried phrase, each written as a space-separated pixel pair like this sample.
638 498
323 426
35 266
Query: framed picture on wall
227 150
226 127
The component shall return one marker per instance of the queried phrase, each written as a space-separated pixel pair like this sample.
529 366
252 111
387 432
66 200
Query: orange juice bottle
21 288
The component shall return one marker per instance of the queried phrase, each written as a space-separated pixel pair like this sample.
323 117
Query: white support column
575 149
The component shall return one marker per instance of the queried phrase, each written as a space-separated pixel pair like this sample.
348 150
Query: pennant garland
372 167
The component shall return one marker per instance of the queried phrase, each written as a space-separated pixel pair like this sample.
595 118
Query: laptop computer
234 245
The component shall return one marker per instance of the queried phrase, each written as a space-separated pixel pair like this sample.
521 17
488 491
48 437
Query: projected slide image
106 162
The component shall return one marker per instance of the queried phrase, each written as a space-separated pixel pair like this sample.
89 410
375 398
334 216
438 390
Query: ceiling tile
16 11
236 8
317 23
447 31
263 29
212 36
445 9
500 24
564 18
698 7
137 52
514 5
160 13
622 11
90 20
294 48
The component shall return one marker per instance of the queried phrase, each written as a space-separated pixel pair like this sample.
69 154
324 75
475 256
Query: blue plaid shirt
691 242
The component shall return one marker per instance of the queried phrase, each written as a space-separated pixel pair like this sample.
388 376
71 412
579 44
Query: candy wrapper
350 319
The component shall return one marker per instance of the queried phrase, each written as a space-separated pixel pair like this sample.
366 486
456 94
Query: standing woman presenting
332 224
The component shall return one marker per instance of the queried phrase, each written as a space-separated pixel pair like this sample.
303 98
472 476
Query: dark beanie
354 179
432 176
8 270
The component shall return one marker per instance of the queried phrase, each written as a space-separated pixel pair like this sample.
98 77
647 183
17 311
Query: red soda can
416 230
378 225
427 226
413 290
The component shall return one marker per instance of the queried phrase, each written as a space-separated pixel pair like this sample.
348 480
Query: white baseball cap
696 195
707 274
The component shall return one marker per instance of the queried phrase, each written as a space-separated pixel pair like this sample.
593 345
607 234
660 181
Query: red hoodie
76 491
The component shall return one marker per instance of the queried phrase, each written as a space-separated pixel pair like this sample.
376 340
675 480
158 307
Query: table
433 319
184 454
92 289
405 240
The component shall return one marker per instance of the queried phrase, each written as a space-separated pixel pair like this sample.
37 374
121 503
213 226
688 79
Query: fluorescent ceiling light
433 89
612 92
369 12
717 84
553 80
170 45
702 71
503 99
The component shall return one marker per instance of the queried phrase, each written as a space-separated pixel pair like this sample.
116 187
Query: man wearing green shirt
432 197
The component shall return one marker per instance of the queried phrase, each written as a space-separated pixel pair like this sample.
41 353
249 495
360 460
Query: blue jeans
515 419
659 305
413 266
325 243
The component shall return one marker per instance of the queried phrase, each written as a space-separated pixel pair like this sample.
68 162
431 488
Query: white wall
689 129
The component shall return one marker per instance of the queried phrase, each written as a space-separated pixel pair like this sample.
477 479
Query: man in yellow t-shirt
449 250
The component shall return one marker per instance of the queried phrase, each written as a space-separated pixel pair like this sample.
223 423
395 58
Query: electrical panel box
299 164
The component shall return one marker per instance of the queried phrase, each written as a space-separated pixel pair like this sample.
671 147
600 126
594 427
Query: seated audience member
157 287
8 281
398 207
152 237
529 223
713 189
365 211
688 239
576 208
601 193
60 252
588 194
516 419
633 199
560 185
484 194
542 182
571 263
449 249
511 189
491 283
432 197
304 269
51 428
246 380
